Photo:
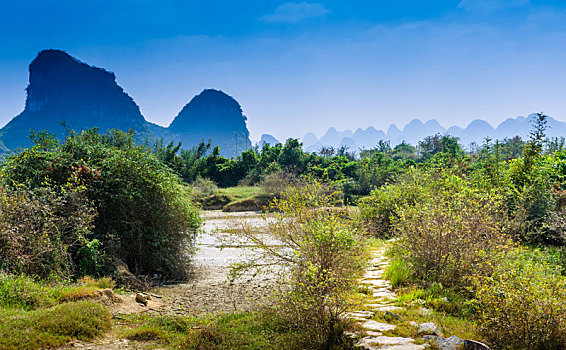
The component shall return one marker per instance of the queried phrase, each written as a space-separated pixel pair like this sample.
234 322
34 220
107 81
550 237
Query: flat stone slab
376 282
384 308
363 314
373 333
402 347
384 294
383 340
373 274
371 342
372 325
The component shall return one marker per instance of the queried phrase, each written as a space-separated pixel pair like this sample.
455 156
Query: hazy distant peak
413 124
393 129
479 124
268 139
309 139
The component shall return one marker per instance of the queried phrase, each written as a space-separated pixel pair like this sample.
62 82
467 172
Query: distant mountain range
65 90
477 131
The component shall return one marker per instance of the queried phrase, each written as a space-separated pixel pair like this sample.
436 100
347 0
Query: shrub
204 187
522 304
146 216
379 209
277 183
320 253
42 230
445 237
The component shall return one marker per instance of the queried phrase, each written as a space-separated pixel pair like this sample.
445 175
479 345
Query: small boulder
452 343
141 298
428 328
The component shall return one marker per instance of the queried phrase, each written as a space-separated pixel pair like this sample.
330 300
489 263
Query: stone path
371 337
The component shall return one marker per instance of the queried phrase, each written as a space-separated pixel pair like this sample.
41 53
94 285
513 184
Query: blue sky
306 65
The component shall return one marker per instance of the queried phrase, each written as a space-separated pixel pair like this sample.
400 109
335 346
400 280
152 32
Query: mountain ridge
416 130
64 90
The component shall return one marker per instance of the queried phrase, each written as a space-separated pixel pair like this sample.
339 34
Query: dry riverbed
209 290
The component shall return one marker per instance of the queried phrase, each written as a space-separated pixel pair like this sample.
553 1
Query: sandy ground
209 290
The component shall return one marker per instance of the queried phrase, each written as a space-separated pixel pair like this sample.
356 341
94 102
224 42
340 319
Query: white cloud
491 5
293 12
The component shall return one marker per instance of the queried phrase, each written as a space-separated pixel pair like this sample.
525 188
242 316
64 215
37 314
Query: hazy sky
306 65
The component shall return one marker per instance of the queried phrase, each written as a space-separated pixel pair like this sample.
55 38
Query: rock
377 326
141 298
360 314
373 334
409 346
428 328
382 340
384 295
63 89
384 308
452 343
212 115
475 345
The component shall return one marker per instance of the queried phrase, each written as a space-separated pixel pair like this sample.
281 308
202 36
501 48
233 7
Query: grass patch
241 197
256 330
449 325
240 192
256 203
25 293
398 272
54 326
38 315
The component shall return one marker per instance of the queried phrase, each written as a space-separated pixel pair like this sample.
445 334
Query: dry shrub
41 231
277 183
522 304
319 254
204 187
446 236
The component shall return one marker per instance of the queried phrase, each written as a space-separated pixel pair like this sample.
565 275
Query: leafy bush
379 209
522 304
146 216
446 236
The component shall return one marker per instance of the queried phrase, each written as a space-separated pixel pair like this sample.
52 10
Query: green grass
449 325
24 292
240 192
54 326
38 315
255 330
398 272
236 196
